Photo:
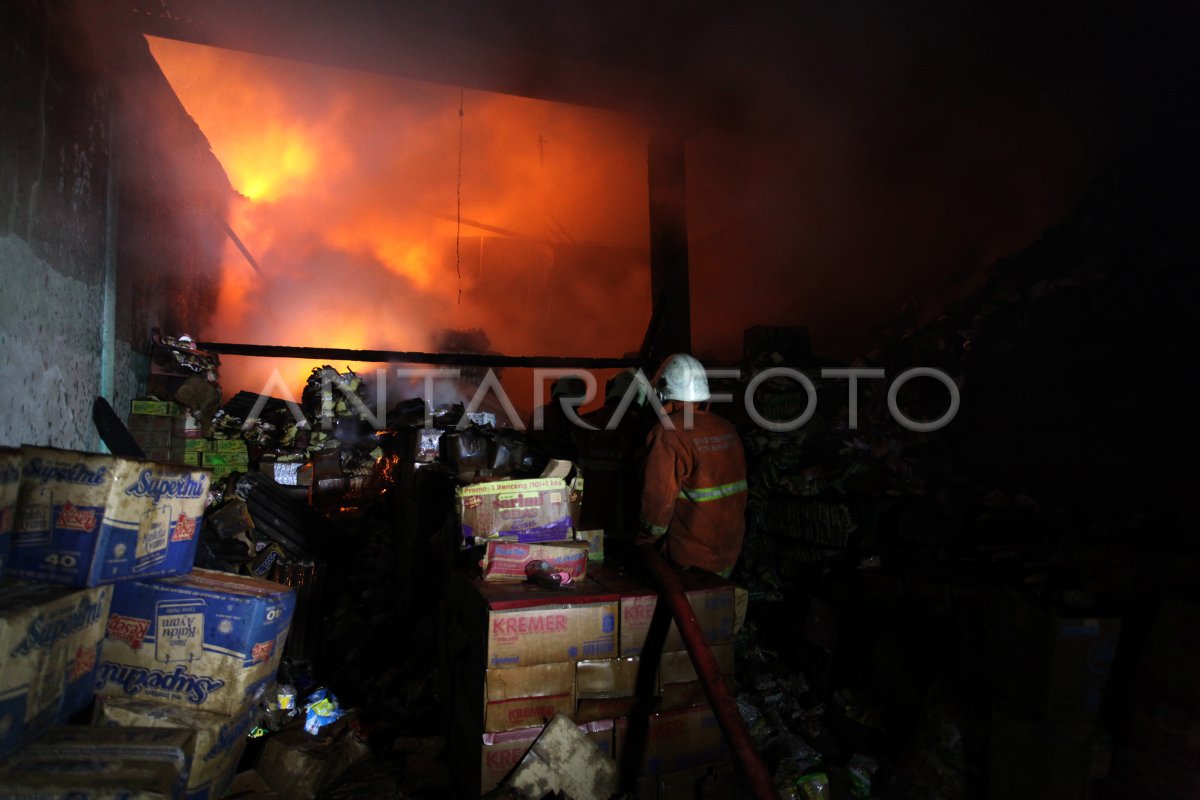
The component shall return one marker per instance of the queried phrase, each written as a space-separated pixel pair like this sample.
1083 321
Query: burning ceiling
379 211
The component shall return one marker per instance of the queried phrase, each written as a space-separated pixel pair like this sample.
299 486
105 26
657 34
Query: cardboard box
10 486
229 445
610 677
147 423
520 696
605 688
521 624
685 695
155 408
220 738
506 560
1053 668
503 751
530 510
50 637
87 519
82 761
208 640
153 441
590 709
298 765
224 459
711 597
676 665
678 740
219 473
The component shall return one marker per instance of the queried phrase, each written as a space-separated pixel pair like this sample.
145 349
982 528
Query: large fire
378 214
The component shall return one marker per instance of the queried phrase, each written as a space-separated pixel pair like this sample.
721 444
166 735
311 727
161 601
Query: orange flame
351 192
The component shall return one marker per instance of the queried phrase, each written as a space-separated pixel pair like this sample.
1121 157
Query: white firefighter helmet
618 385
681 377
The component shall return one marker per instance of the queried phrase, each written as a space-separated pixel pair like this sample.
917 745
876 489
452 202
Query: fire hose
709 672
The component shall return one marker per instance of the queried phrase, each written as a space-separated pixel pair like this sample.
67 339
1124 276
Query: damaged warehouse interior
371 370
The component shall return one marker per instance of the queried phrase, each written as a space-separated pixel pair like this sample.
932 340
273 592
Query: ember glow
350 194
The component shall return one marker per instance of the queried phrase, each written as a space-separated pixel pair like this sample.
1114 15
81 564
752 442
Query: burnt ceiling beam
412 40
403 357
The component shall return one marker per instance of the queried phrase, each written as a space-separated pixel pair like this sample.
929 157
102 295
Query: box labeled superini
49 640
220 738
85 519
207 640
86 762
10 485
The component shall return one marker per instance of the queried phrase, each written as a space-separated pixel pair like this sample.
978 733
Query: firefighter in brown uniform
694 495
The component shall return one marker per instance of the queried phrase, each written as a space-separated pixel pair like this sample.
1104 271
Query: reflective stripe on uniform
704 494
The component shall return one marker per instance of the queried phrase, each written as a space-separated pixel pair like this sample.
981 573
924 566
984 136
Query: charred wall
54 177
86 147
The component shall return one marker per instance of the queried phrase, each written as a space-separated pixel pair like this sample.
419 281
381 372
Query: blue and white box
94 763
207 640
49 642
220 738
85 519
10 485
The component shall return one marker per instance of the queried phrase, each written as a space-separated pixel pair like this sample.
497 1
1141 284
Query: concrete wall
53 234
107 190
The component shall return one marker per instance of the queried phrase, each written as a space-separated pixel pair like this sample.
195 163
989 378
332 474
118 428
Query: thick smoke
351 199
845 161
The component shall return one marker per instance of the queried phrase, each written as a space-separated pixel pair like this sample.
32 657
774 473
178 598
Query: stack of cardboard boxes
519 654
101 594
168 432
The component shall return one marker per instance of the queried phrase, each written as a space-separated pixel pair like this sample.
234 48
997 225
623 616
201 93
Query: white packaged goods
49 640
86 519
